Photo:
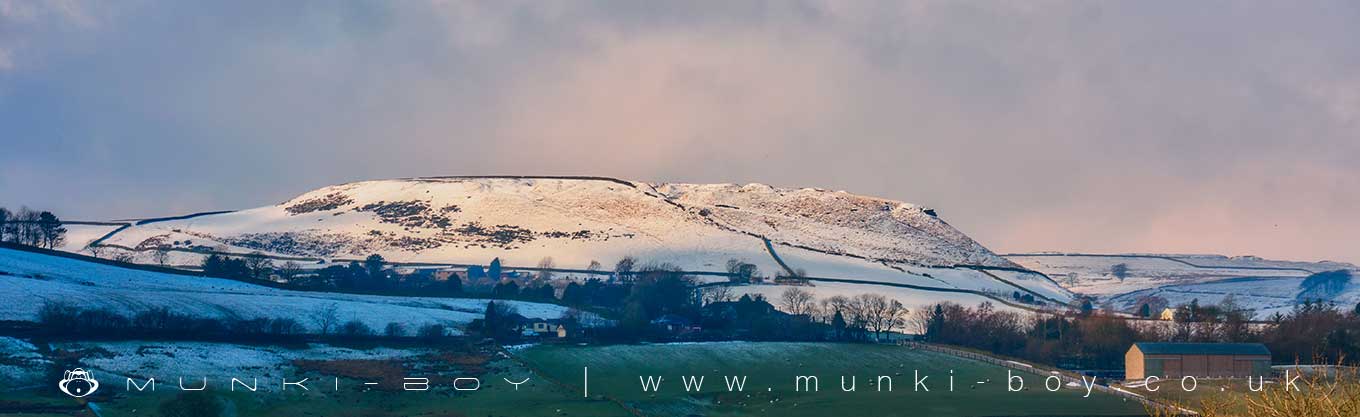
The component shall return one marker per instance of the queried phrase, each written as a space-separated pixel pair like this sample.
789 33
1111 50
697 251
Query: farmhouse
1168 314
1211 360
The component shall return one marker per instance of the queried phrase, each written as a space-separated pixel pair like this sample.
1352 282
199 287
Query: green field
556 373
771 369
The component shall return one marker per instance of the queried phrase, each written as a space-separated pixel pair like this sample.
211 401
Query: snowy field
168 361
1262 285
78 236
30 279
195 360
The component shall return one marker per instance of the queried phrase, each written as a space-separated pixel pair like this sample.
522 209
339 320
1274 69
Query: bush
57 315
432 331
286 326
355 328
394 329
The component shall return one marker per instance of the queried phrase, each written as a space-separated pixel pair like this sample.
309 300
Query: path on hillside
773 254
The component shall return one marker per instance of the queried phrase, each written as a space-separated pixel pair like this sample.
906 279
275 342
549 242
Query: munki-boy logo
78 383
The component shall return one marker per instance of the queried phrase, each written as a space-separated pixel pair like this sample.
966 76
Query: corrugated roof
1203 348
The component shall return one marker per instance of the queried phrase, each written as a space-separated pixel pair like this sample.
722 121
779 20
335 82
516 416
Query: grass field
555 388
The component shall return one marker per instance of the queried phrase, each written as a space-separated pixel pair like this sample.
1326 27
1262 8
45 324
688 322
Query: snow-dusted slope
1093 274
582 220
574 220
1266 286
578 221
29 279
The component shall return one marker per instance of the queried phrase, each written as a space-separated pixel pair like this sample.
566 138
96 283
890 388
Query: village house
1168 314
1207 360
546 328
675 324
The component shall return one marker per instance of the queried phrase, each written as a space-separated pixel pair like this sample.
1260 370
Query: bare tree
797 301
717 294
94 249
23 227
594 265
4 223
881 315
160 254
326 317
919 321
120 255
833 305
258 264
741 271
290 270
625 266
544 266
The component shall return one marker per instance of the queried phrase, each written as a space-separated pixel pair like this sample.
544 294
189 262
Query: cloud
1031 126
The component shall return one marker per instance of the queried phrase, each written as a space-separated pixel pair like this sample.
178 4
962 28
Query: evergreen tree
357 274
454 285
838 325
508 289
1145 311
573 294
498 322
373 269
50 230
212 266
494 270
546 293
936 323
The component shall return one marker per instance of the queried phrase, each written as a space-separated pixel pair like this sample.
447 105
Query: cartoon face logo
78 383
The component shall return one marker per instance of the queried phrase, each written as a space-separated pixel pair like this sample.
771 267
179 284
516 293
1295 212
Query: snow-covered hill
578 222
1264 285
575 220
584 222
29 279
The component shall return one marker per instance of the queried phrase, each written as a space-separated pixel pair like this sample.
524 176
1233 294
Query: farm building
1168 314
1210 360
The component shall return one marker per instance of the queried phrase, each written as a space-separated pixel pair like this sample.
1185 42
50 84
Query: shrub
432 331
355 328
394 329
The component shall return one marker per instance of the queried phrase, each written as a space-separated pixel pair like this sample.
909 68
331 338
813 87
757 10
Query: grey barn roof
1203 349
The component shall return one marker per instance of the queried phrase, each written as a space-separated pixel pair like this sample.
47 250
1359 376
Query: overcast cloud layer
1094 126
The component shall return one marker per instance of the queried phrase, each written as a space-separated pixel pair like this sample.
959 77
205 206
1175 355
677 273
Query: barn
1204 360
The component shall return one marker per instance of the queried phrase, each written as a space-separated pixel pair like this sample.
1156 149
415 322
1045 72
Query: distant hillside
1264 285
583 223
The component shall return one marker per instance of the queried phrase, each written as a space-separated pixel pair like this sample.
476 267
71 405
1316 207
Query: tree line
1312 332
32 228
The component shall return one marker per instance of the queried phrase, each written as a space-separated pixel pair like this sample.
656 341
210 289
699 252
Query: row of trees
872 313
1311 333
31 227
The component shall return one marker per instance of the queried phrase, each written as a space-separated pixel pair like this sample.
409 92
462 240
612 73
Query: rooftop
1203 348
